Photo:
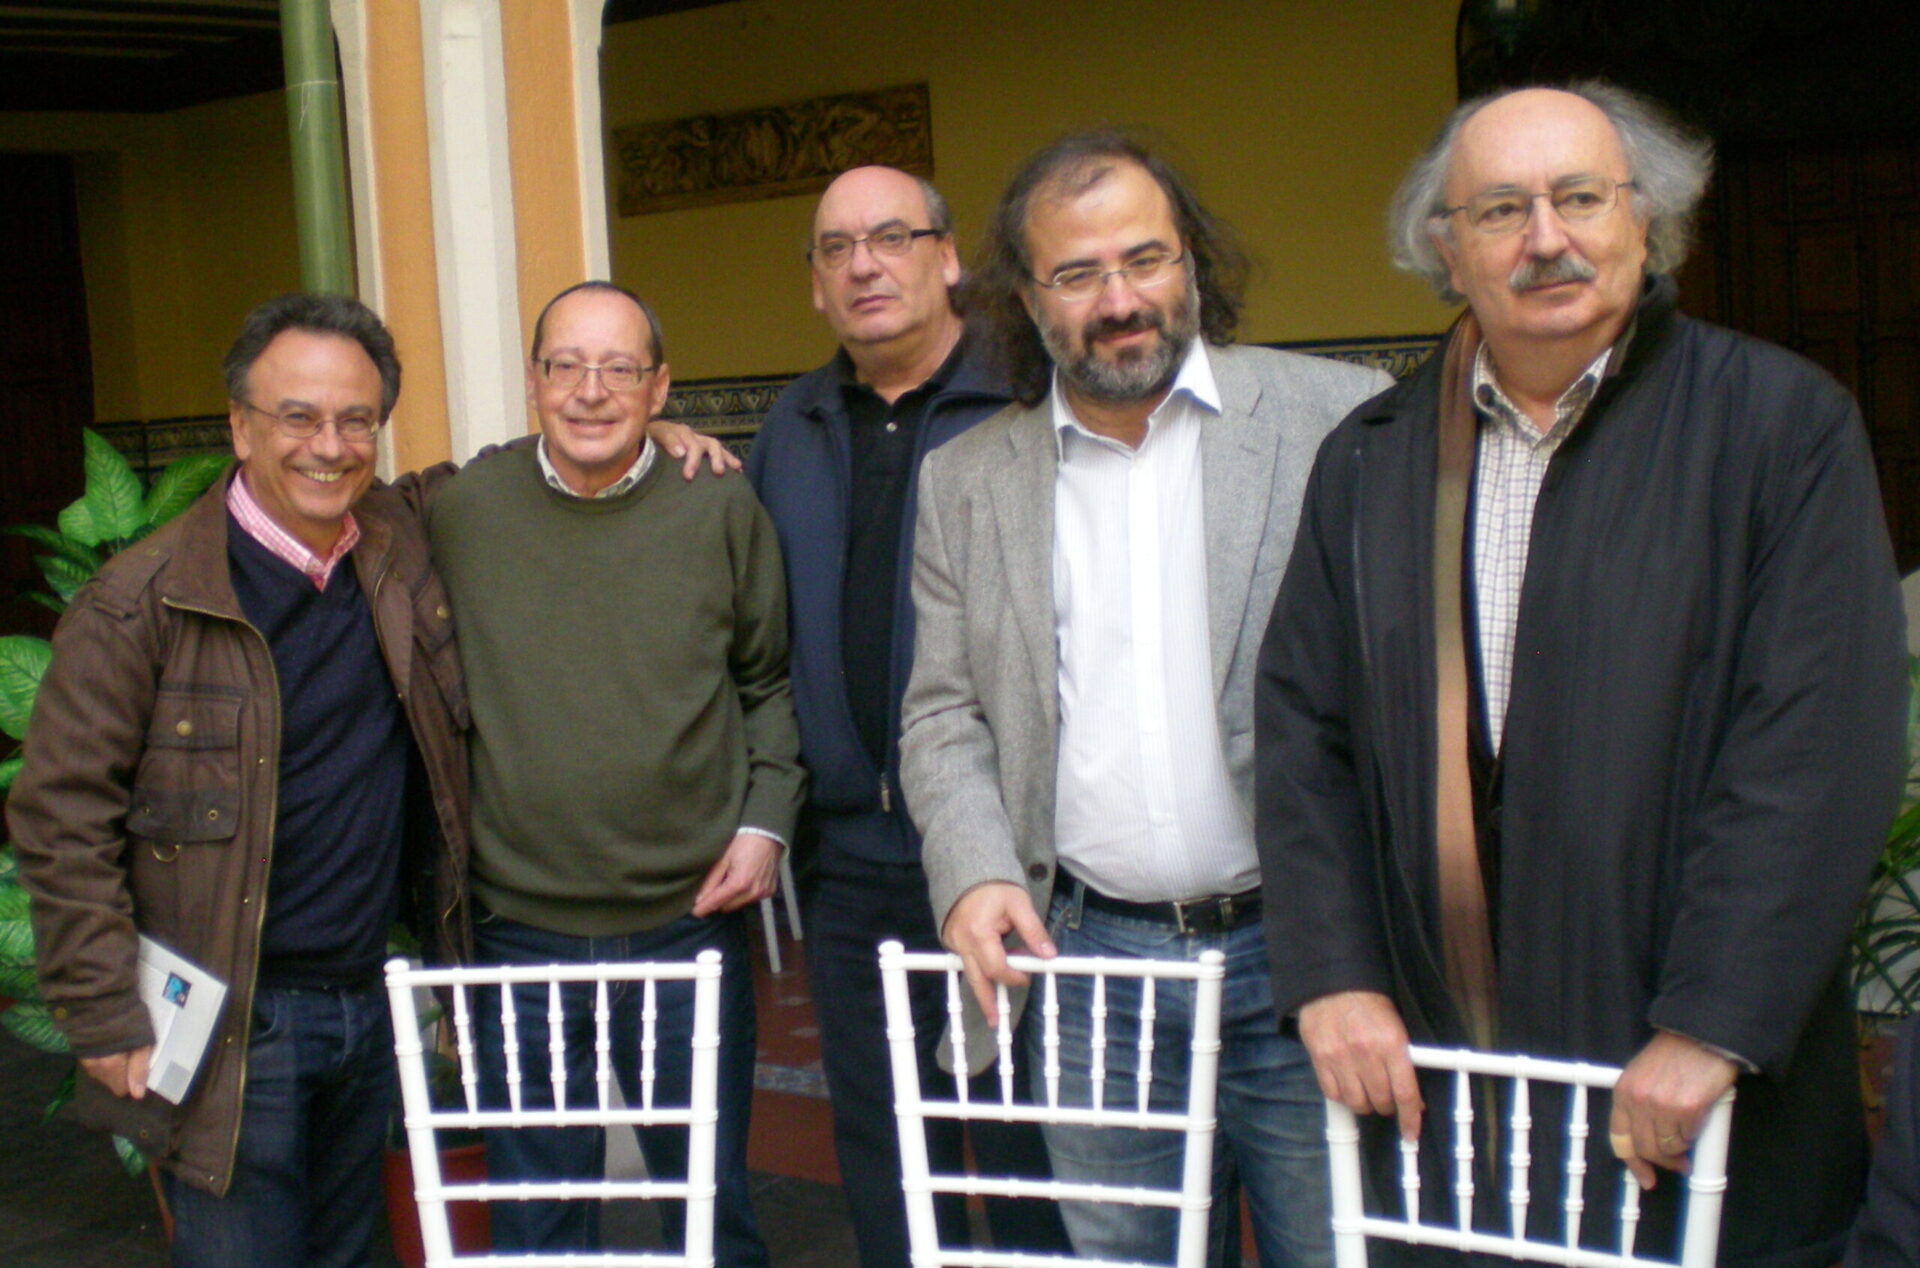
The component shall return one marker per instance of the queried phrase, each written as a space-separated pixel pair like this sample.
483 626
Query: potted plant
1886 940
113 512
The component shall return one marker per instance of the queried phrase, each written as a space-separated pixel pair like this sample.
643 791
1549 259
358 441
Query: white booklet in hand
184 1001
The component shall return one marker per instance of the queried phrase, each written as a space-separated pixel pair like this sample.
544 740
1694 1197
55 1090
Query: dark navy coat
1702 751
801 466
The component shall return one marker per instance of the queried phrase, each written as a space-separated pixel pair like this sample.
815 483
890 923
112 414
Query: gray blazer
981 714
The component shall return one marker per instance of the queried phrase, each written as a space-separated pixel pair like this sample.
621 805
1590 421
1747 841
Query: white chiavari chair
1447 1219
1192 1199
423 1119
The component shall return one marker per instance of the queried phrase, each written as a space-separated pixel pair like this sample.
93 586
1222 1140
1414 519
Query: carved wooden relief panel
770 152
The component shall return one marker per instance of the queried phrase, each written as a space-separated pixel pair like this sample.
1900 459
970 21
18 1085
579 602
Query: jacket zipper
413 729
245 1018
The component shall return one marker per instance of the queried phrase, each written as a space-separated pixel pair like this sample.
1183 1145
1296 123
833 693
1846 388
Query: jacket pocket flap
183 816
194 720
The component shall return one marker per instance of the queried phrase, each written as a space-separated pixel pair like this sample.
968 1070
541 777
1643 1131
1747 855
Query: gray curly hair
1668 162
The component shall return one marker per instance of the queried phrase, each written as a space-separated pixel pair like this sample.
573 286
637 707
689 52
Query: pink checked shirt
261 528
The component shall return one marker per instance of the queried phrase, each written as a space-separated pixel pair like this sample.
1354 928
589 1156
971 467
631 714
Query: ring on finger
1668 1142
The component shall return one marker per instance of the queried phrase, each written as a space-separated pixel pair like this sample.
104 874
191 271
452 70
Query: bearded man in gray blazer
1093 572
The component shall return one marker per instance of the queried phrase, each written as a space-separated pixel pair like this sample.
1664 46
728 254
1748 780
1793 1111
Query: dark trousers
555 1153
851 906
306 1175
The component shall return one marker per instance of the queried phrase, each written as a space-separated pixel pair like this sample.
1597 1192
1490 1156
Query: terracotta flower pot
469 1219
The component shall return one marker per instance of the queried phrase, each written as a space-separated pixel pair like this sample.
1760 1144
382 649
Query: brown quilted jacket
148 798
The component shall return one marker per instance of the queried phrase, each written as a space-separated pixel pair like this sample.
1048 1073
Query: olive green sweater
626 663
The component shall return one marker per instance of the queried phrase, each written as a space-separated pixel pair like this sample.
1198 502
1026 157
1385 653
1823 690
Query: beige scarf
1466 939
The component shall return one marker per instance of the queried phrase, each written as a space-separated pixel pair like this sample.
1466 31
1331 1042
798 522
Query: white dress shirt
1145 809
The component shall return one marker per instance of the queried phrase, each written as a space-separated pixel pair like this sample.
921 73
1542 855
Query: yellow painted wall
186 222
1294 117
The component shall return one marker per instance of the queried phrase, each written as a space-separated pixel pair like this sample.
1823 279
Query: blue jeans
306 1175
852 906
556 1153
1272 1121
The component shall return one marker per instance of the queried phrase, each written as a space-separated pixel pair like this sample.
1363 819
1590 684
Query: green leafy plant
1886 941
112 513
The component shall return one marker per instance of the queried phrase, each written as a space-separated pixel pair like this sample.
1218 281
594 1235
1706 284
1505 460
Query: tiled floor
65 1203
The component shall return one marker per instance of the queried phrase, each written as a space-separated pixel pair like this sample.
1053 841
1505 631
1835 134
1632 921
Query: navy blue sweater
801 466
340 812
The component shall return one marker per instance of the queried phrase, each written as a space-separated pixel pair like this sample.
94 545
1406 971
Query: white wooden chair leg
771 926
791 892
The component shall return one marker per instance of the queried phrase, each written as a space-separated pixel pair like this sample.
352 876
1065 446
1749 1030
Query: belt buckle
1216 913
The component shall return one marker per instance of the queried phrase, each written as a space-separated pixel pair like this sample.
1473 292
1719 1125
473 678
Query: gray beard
1136 375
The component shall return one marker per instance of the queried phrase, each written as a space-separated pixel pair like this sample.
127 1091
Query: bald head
863 187
1538 129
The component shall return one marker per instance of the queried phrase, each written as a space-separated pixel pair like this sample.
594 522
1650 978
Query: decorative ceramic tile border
1398 355
149 444
732 408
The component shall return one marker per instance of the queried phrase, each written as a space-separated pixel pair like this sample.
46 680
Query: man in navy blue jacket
836 464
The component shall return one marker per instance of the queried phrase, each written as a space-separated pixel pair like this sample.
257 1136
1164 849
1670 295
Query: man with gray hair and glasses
1580 713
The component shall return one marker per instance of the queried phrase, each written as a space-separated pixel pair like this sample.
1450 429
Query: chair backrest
423 1119
1482 1140
912 1110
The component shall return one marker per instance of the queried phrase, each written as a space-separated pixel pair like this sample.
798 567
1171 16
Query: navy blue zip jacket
802 468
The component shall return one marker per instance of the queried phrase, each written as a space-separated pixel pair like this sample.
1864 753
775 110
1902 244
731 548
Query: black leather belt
1214 914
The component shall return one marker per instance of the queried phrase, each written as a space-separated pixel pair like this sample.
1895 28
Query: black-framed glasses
1506 210
568 373
835 249
1082 282
356 426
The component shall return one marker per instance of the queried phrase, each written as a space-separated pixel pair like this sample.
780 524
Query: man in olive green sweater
635 761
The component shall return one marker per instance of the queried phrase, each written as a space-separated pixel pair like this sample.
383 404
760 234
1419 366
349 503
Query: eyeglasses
1505 210
568 373
356 428
1082 282
834 250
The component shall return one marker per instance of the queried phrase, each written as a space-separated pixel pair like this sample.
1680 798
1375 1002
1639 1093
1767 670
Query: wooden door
1815 244
46 368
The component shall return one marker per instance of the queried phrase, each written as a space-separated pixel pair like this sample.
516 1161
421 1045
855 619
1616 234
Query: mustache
1135 323
1564 268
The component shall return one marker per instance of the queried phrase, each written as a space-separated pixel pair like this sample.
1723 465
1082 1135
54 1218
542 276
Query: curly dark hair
340 315
990 297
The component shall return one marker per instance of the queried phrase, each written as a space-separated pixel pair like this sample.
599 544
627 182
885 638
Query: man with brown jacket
248 747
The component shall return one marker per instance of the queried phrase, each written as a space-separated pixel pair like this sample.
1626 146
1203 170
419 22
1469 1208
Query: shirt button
892 426
183 727
1037 871
442 612
213 815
